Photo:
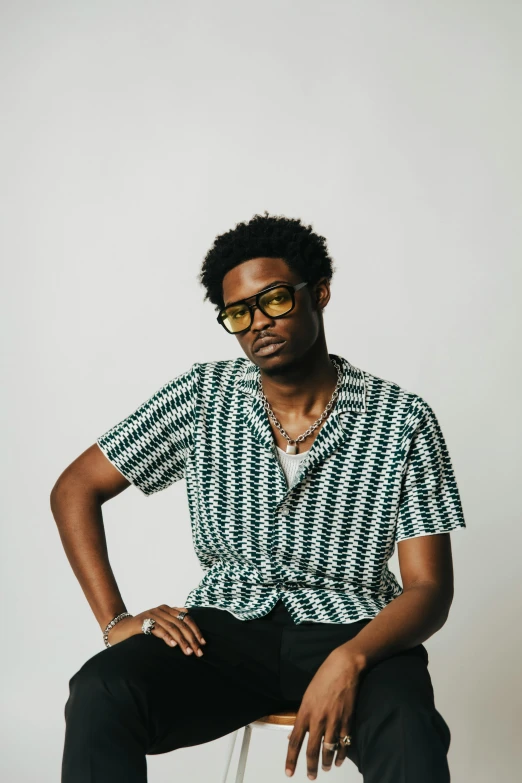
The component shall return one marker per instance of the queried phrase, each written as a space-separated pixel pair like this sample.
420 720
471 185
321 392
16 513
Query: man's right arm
147 448
76 501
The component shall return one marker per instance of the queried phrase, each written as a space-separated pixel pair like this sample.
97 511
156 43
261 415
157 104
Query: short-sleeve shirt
378 472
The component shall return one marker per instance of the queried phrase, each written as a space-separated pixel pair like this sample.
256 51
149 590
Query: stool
277 720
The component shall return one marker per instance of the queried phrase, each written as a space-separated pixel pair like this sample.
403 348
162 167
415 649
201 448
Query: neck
302 389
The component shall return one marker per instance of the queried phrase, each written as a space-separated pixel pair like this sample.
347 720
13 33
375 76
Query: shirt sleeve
430 500
149 447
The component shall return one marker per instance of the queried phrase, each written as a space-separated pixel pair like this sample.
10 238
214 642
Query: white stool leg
243 755
232 742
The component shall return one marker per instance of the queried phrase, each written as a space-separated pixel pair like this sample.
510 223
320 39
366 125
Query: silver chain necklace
292 447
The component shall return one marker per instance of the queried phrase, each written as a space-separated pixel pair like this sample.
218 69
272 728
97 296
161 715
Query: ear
322 292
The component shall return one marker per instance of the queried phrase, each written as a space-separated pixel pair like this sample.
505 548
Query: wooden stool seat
276 720
279 718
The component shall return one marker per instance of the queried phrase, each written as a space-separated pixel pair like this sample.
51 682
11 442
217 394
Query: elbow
444 602
55 494
57 488
60 489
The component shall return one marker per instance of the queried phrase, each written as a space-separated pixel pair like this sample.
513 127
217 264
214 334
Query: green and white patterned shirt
377 472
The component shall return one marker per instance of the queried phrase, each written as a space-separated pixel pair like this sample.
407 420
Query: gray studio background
132 134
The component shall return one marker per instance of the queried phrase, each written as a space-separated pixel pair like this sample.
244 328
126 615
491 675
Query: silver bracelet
112 624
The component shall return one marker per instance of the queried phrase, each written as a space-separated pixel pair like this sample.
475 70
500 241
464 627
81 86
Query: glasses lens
236 318
276 302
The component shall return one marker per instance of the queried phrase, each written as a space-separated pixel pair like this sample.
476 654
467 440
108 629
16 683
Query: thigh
401 679
183 700
398 685
305 647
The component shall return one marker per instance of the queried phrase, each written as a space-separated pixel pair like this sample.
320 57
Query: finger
185 634
313 749
343 749
192 623
295 741
331 737
178 630
161 631
188 626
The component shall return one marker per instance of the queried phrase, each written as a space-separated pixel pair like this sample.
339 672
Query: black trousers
142 697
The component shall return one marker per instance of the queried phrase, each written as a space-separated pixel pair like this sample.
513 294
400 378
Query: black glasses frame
291 289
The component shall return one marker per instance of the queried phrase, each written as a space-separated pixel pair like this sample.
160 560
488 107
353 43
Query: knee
103 699
121 662
86 687
96 670
393 704
414 720
424 721
105 679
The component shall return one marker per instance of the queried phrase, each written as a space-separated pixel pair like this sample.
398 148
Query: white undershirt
290 463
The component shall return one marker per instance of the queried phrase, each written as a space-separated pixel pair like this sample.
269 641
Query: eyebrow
274 282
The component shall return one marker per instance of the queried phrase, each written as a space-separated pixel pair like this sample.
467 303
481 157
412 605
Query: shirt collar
352 393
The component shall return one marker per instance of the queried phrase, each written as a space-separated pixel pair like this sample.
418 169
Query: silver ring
331 745
181 615
147 625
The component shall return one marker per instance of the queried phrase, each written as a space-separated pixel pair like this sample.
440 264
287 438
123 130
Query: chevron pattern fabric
378 472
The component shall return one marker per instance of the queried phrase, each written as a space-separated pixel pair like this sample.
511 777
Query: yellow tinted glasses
274 302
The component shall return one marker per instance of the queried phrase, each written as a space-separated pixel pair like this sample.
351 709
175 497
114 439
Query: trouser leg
398 734
142 697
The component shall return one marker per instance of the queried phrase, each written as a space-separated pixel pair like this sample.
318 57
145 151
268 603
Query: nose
260 320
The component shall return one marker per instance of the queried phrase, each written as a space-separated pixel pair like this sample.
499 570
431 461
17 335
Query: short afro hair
265 236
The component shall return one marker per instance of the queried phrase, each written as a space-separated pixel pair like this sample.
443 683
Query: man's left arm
420 611
408 620
428 510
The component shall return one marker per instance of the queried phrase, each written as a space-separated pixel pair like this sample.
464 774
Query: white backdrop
132 134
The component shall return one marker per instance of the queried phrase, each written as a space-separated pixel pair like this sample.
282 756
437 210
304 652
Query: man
302 474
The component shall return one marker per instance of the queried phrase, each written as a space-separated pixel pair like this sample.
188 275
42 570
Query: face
296 332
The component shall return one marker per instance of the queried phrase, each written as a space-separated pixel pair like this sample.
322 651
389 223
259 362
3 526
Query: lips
260 343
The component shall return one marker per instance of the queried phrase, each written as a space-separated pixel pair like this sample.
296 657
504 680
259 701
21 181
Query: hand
326 709
173 631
